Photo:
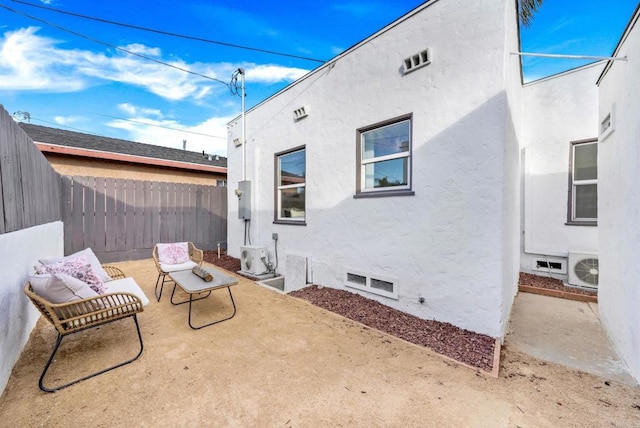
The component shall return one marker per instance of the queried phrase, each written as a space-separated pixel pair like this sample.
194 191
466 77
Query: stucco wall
557 110
511 190
19 252
446 242
619 204
66 165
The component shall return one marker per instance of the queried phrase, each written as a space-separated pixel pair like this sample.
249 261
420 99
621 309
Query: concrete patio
283 362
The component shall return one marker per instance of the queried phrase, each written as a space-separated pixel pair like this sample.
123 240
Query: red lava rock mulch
553 287
225 262
476 350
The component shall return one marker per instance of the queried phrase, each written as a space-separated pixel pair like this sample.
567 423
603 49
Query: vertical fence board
77 215
99 241
147 237
156 213
66 186
129 207
120 232
138 222
110 190
89 210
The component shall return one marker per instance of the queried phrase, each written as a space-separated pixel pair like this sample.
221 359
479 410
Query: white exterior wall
619 203
447 242
557 110
512 181
19 252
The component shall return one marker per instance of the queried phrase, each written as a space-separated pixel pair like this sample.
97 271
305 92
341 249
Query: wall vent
549 265
417 61
607 124
372 283
301 112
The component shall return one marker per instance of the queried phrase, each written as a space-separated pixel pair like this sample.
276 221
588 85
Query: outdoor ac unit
583 270
251 259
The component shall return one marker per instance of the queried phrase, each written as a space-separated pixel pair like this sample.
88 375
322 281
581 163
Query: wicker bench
79 315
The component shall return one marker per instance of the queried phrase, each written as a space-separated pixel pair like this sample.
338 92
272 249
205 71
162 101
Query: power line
118 118
158 126
167 33
112 46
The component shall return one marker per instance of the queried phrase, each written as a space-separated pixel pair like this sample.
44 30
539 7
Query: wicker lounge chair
79 315
196 257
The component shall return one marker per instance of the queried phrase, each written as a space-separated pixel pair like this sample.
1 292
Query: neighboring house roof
54 140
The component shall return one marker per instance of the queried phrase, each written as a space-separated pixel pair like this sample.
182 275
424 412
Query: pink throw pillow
173 254
78 268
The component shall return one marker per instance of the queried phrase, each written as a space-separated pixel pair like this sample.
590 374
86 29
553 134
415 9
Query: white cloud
209 136
143 50
31 62
132 110
273 73
67 120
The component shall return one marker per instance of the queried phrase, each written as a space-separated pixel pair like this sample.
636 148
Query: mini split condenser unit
251 259
583 270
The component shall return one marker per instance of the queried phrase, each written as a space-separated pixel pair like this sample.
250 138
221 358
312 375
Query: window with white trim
290 186
583 193
384 158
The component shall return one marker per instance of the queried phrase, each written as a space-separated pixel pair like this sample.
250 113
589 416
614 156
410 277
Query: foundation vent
372 283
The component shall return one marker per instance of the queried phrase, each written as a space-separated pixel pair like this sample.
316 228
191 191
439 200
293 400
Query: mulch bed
476 350
225 262
554 287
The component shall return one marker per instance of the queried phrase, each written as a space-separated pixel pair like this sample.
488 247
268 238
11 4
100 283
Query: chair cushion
77 267
127 285
173 254
175 268
91 259
60 288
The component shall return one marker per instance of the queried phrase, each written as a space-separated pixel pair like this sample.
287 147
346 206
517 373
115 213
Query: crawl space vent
417 61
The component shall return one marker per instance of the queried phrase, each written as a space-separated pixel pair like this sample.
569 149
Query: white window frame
573 219
362 163
279 188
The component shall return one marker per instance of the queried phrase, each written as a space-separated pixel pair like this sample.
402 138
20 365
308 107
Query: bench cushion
126 285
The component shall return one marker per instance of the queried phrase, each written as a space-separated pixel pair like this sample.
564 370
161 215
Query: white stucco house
416 169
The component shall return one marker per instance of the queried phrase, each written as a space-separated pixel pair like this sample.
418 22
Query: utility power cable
159 126
167 33
75 33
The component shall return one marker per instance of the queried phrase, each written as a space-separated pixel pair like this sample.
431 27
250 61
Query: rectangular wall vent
549 265
417 61
301 112
372 283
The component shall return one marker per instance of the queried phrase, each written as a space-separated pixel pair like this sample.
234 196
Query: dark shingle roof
43 134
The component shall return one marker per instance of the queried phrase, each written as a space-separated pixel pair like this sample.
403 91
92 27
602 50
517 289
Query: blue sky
67 81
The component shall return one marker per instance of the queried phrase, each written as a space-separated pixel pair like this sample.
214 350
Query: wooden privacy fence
29 187
123 219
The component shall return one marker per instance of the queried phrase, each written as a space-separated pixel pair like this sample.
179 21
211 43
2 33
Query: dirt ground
284 362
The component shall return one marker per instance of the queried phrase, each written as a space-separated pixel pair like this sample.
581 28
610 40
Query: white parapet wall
19 252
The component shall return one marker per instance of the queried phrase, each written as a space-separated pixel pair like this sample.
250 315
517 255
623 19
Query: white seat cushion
175 268
126 285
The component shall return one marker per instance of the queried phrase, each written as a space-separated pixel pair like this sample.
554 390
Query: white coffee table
192 284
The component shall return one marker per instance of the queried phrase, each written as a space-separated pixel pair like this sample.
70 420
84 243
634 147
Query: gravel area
476 350
538 281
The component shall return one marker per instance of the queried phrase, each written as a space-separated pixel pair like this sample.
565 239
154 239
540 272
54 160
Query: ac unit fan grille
587 270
